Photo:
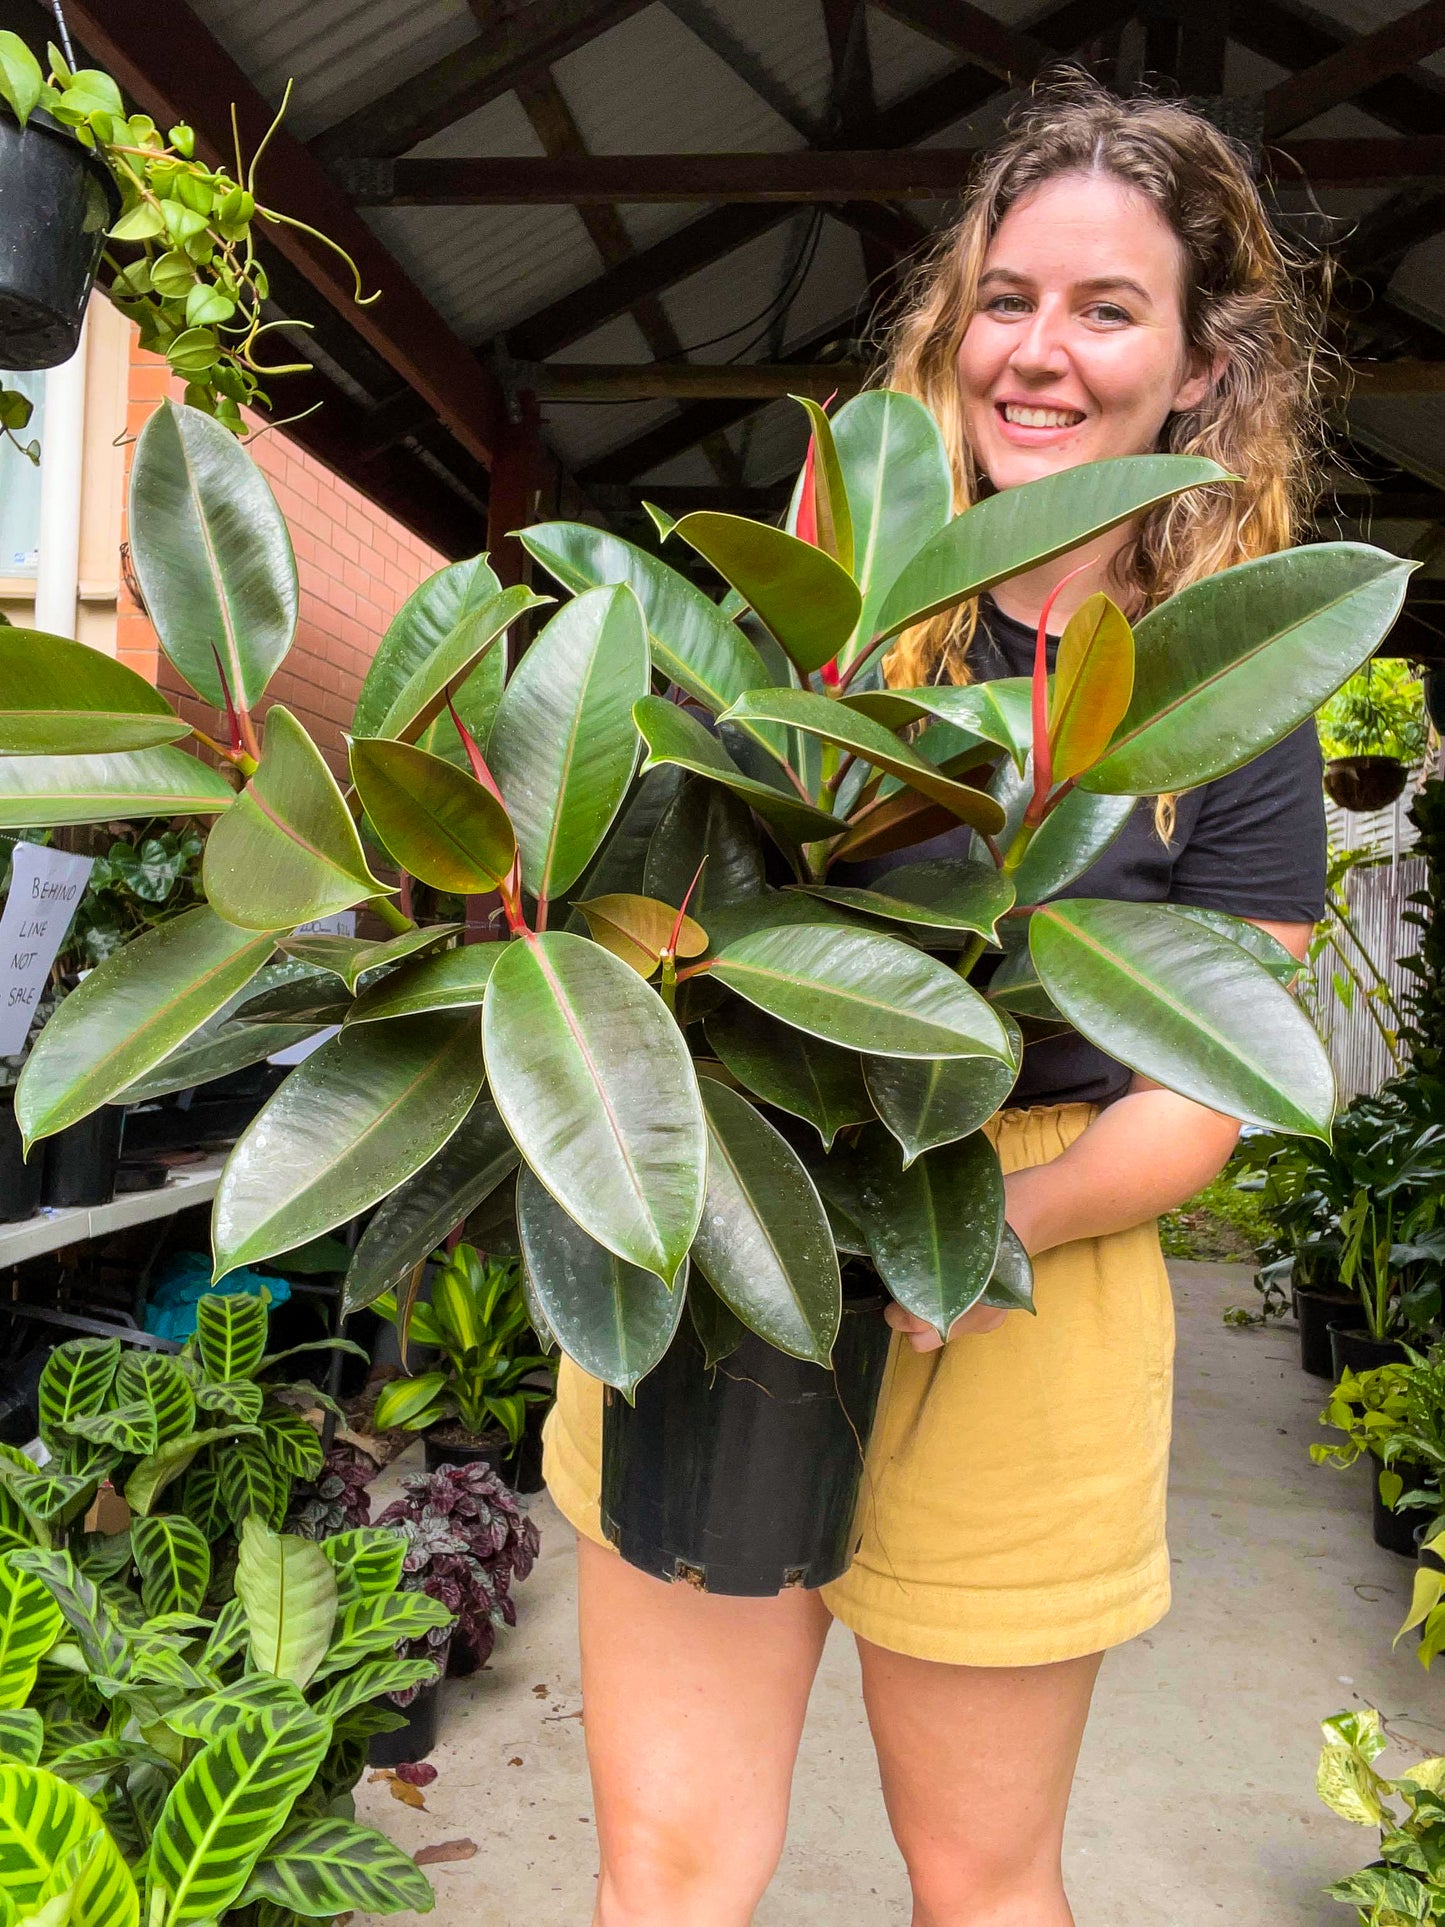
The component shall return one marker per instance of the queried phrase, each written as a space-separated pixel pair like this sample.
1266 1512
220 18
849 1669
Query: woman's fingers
922 1336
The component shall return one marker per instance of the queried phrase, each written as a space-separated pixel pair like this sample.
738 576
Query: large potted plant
707 1053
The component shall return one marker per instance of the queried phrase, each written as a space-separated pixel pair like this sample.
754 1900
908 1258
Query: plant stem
970 955
395 922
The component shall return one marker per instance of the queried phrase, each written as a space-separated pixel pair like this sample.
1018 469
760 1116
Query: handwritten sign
45 891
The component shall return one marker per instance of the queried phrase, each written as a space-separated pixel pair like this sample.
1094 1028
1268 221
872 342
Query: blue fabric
184 1278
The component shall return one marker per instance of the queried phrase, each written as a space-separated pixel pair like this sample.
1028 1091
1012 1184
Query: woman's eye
1110 314
1008 304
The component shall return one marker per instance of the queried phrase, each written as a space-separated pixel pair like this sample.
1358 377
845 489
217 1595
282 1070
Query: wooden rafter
1012 56
1353 68
691 381
1413 102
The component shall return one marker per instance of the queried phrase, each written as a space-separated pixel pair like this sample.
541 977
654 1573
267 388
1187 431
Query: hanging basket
1364 783
57 199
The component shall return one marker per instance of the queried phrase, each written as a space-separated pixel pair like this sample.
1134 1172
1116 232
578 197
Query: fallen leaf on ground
445 1850
516 1760
409 1796
416 1772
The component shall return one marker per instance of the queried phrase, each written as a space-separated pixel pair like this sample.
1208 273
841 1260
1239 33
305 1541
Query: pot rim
47 124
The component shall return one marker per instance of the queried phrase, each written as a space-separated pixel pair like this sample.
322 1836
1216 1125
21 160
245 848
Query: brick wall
356 566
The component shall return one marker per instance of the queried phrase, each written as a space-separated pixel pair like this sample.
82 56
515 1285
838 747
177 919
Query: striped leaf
22 1734
369 1681
41 1820
56 1499
251 1485
75 1384
93 1885
224 1811
230 1334
175 1562
151 1477
128 1428
237 1398
229 1637
97 1633
217 1713
202 1500
324 1867
376 1625
292 1443
366 1561
30 1624
16 1529
289 1592
157 1380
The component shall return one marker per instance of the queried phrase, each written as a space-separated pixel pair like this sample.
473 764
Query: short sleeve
1257 845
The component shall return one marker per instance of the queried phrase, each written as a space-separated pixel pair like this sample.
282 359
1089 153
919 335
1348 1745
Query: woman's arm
1142 1155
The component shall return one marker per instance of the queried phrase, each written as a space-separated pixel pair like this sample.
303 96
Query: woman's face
1077 349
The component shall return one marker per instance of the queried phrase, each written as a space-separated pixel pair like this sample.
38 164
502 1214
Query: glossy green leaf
1186 1006
131 1013
944 897
835 722
127 1428
445 606
153 1475
21 81
802 595
692 642
1233 663
933 1228
74 1384
414 1219
1021 527
438 822
900 491
1092 683
563 747
220 1046
22 1736
175 1563
287 851
672 736
213 556
97 1633
352 958
612 1318
1264 948
349 1125
289 1592
63 698
789 1069
764 1242
231 1333
40 791
442 675
621 862
1074 834
367 1561
453 980
995 712
639 929
309 997
224 1811
42 1820
716 1329
1011 1287
927 1102
594 1082
323 1867
292 1442
251 1486
237 1398
404 1399
156 1380
30 1624
864 991
203 1719
830 495
707 833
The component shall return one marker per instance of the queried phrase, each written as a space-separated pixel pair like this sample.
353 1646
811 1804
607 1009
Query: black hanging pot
1364 783
1434 680
744 1479
20 1178
1356 1350
1394 1531
1315 1311
57 199
81 1160
491 1450
417 1738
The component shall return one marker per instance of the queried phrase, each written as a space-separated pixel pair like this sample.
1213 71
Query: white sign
45 891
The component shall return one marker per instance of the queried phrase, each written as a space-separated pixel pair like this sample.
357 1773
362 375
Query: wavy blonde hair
1251 305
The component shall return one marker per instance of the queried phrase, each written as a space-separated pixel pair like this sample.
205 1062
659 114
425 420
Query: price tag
45 891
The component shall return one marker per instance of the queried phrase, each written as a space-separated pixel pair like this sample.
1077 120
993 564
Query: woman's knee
976 1886
660 1874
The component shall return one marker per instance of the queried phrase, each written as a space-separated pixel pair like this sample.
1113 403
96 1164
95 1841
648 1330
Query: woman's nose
1039 349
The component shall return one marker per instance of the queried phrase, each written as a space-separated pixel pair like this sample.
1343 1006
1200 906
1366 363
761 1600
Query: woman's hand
923 1338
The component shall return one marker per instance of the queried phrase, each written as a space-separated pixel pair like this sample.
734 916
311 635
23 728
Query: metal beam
174 69
1012 56
1356 163
481 71
719 39
1359 64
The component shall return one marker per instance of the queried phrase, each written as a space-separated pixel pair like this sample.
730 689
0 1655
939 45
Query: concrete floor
1195 1800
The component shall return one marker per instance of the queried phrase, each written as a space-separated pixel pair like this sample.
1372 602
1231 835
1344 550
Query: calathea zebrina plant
708 1051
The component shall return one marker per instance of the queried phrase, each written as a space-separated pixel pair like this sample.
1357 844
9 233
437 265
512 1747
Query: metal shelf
50 1229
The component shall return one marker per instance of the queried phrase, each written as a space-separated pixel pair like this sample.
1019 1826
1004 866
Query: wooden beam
719 39
1414 102
1352 68
175 70
690 381
1012 56
761 503
485 68
1401 505
1356 163
1370 378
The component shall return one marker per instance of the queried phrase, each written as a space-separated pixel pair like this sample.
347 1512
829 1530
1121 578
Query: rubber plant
693 1035
198 1768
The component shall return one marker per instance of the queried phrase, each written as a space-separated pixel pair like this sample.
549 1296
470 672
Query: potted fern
719 1075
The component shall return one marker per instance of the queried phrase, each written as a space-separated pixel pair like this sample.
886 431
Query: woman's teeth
1041 417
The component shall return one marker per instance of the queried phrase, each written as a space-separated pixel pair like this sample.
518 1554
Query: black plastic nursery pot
744 1479
21 1178
523 1468
492 1451
1315 1312
81 1160
57 199
1394 1531
1427 1555
1365 783
414 1740
1350 1347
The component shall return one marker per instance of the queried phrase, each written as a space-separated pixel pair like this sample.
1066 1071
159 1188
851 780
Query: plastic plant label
45 891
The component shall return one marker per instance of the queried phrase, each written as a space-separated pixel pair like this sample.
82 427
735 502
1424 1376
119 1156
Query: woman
1113 288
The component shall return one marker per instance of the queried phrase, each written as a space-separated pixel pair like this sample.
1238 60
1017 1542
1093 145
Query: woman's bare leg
977 1764
693 1706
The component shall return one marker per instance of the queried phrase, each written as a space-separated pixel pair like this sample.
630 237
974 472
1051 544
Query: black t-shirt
1251 844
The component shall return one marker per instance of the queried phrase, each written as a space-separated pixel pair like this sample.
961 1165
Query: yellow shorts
1013 1502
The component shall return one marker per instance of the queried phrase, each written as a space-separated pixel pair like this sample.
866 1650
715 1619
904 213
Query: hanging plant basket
57 199
1364 783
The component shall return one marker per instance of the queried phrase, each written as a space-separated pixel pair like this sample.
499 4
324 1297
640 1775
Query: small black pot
81 1160
744 1480
20 1178
1427 1555
1350 1347
1364 783
1394 1531
57 199
414 1740
1315 1310
492 1451
523 1469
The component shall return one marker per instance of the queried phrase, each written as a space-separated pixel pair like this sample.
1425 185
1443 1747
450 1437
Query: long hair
1251 305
